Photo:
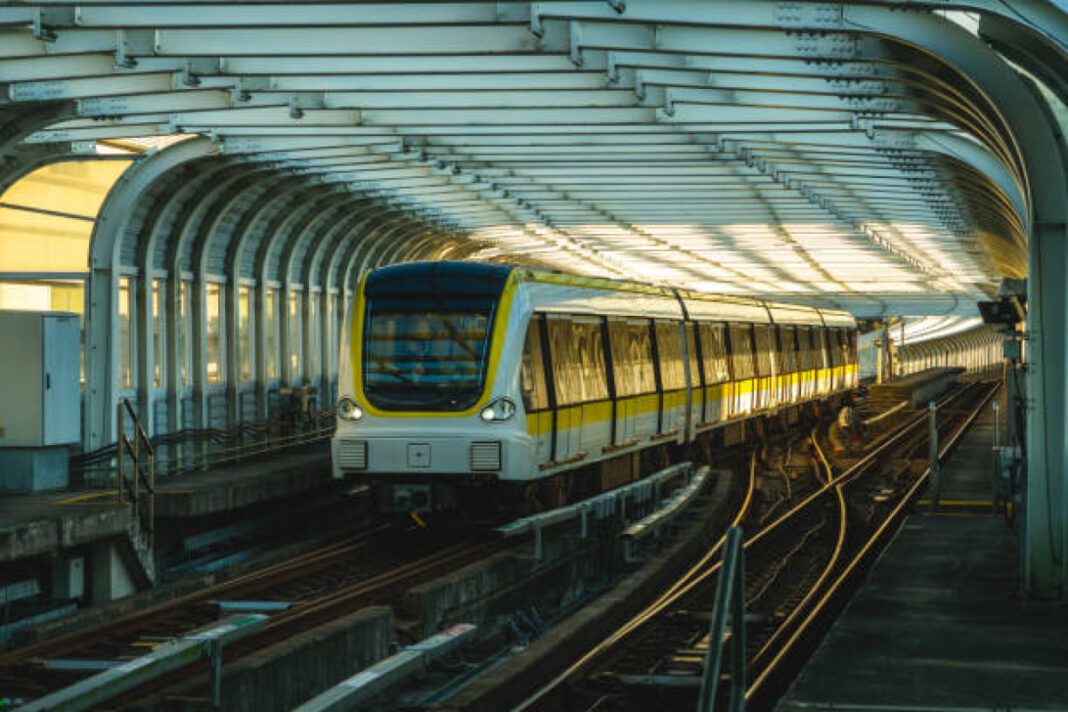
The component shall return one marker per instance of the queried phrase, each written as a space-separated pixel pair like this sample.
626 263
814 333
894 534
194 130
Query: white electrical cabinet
40 397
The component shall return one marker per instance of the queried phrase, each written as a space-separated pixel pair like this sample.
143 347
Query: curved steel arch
102 335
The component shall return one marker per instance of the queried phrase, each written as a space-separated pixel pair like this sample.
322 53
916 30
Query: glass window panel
669 349
691 354
271 335
787 338
741 336
764 359
34 241
563 355
185 334
126 339
632 357
589 347
158 350
313 335
714 350
294 336
819 337
214 331
532 370
244 332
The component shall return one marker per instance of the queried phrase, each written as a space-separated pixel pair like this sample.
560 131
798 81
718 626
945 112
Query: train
482 387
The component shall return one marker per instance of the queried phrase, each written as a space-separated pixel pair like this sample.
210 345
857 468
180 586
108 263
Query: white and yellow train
468 385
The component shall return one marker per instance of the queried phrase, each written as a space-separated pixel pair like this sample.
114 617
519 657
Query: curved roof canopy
791 150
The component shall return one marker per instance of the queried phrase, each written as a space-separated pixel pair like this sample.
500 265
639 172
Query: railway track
371 567
799 566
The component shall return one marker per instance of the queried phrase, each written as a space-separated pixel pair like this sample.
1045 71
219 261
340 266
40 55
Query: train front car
429 412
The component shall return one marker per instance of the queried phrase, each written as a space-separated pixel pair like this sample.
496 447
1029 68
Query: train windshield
427 336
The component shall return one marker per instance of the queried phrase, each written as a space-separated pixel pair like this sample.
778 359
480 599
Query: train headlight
498 410
348 409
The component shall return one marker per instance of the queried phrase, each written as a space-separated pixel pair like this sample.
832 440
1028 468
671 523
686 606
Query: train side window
834 349
819 336
742 351
714 348
589 344
764 356
787 336
532 369
691 353
669 349
810 360
632 357
564 359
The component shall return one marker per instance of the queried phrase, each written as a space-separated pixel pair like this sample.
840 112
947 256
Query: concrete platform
35 524
257 481
940 623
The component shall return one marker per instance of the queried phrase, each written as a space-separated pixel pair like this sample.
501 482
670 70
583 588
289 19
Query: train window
691 353
742 351
428 358
563 355
819 338
810 360
669 349
577 359
632 357
532 370
764 356
589 345
834 347
714 350
787 338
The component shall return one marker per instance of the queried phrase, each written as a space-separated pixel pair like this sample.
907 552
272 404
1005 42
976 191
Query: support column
1044 542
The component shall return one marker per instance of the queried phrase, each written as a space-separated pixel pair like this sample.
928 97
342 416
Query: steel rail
280 571
636 622
695 575
850 569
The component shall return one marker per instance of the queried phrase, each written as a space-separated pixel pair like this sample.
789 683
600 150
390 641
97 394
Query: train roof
487 276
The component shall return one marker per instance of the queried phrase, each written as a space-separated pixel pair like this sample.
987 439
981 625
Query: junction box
40 398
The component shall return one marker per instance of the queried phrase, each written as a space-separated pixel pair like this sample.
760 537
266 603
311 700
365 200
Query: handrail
600 506
143 504
138 428
729 608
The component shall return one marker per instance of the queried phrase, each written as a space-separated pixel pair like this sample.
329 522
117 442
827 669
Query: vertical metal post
936 471
120 455
729 601
215 649
738 672
997 424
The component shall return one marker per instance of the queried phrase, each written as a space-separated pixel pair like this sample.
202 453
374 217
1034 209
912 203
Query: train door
823 361
764 387
533 380
635 382
809 362
718 387
791 387
567 383
743 367
595 424
695 380
672 376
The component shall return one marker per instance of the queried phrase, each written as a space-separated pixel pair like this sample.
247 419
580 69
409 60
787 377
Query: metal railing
642 493
140 487
728 610
191 450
